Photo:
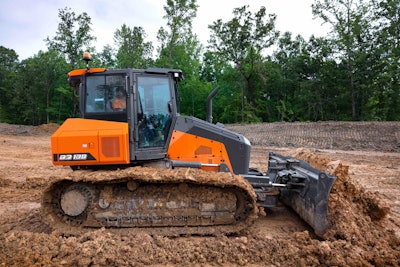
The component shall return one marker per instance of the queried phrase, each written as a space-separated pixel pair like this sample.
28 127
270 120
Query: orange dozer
139 164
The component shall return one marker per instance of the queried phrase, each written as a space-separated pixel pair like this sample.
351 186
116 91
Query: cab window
105 93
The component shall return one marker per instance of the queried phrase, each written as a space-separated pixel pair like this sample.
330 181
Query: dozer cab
139 164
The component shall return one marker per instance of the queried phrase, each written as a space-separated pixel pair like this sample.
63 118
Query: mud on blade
166 202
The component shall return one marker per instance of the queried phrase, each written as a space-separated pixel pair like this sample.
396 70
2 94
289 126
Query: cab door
153 115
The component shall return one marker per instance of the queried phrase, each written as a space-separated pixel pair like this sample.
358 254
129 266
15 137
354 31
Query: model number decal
71 157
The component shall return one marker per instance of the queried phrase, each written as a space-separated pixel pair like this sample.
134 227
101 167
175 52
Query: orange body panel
80 72
90 142
192 148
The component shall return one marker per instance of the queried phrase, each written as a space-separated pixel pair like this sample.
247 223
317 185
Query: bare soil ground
364 206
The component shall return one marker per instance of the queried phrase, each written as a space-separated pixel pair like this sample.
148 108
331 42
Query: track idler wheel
74 202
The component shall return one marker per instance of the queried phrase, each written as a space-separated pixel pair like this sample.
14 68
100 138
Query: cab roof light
87 57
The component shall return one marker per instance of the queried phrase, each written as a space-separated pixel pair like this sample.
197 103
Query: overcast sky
25 24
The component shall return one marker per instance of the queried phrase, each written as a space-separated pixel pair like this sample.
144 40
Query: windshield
105 93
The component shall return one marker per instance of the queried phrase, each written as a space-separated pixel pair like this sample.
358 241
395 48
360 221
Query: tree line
353 73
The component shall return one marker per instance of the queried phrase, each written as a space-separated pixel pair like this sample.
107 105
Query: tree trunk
353 94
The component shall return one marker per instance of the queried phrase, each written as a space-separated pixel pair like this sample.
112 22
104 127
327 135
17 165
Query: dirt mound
47 128
28 130
357 238
375 136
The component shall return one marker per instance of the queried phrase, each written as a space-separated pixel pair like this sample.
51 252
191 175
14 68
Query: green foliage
241 41
72 36
350 23
106 58
386 81
8 81
180 49
351 74
179 16
35 100
133 52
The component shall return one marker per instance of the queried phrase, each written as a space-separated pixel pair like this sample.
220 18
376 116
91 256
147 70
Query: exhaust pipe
210 97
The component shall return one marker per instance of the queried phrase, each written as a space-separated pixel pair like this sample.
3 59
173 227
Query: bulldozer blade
307 189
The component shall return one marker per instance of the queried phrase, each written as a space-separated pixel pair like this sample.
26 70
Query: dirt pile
372 136
358 236
27 130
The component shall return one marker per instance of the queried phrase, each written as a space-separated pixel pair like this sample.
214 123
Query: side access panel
209 141
80 142
191 148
